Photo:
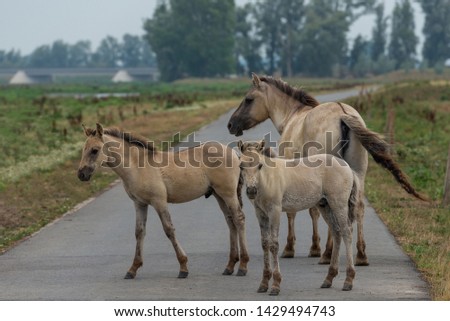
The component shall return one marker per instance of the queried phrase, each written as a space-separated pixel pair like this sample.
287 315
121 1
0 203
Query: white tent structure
122 76
21 78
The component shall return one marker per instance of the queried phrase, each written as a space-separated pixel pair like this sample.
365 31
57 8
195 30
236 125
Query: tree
59 54
41 57
247 44
267 15
379 33
11 58
291 14
80 54
402 48
193 38
161 36
436 48
359 52
108 53
131 51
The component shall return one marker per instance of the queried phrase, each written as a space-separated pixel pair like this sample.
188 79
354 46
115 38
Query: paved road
85 255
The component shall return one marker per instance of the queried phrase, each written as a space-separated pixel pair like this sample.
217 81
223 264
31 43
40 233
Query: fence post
446 200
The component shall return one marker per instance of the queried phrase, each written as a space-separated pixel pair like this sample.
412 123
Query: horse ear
256 80
240 145
99 130
261 145
88 131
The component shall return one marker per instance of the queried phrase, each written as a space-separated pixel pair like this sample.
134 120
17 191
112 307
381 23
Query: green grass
421 141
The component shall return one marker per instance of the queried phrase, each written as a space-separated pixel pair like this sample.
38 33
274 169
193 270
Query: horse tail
354 198
239 189
379 150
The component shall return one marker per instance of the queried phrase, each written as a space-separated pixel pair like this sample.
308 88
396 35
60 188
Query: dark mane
133 139
293 92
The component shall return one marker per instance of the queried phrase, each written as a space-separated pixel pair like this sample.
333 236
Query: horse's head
92 152
252 110
251 164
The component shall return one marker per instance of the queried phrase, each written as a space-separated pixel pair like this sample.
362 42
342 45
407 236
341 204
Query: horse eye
94 152
248 100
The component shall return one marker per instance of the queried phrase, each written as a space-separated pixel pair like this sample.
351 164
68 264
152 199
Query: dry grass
422 136
24 208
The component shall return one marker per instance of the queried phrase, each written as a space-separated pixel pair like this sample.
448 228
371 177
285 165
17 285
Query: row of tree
204 38
213 37
132 51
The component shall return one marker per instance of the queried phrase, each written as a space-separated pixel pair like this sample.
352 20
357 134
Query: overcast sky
27 24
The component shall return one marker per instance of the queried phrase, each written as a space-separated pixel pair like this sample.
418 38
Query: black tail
379 150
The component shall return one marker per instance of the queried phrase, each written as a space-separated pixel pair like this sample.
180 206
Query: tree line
131 51
204 38
208 38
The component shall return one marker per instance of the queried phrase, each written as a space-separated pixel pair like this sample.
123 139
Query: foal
155 178
275 185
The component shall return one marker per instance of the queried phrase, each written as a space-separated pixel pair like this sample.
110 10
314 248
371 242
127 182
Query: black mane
297 94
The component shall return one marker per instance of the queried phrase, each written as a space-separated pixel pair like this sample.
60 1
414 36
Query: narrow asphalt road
85 255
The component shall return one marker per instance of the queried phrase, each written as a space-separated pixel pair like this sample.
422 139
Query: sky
27 24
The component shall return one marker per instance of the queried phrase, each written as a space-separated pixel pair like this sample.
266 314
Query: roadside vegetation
415 118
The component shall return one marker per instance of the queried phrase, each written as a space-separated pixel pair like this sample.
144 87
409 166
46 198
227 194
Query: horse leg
274 218
263 220
334 264
314 251
347 236
361 257
141 220
239 221
289 249
164 215
234 250
326 256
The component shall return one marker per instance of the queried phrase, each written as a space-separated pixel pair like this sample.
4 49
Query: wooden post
446 200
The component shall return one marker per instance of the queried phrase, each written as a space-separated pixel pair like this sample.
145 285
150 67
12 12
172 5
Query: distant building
49 75
122 76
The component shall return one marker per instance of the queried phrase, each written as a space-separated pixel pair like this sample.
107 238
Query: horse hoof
314 253
362 262
129 276
241 273
183 275
347 287
274 292
262 289
326 285
227 272
324 260
288 254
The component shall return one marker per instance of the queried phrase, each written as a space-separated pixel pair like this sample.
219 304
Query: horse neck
282 107
129 160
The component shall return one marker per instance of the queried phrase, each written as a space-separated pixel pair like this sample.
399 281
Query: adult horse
156 178
306 128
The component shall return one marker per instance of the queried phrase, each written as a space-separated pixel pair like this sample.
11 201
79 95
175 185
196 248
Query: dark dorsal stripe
133 139
295 93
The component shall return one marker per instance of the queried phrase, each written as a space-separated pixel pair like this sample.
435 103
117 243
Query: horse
307 128
156 178
322 181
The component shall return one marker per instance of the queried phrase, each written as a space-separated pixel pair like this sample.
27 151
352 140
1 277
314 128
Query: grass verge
420 133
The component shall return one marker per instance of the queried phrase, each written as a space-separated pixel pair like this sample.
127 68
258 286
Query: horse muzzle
85 173
234 128
251 192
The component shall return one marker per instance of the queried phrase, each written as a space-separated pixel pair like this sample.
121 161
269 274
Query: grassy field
420 122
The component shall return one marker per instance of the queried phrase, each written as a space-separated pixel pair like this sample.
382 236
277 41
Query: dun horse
323 181
307 128
155 178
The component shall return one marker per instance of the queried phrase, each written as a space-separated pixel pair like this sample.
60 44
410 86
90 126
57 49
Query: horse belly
293 202
186 189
